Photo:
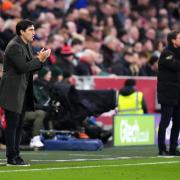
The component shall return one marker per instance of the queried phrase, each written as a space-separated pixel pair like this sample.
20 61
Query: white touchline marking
80 159
101 155
68 160
100 159
88 167
34 153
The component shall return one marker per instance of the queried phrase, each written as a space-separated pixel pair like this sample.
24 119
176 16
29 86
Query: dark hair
66 75
23 25
43 72
172 35
153 59
130 82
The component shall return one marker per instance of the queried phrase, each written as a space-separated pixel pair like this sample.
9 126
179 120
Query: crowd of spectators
90 37
95 37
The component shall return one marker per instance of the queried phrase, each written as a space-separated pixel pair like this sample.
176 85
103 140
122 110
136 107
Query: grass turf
110 163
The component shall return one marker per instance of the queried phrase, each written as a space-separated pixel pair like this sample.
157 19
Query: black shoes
170 153
11 162
163 153
17 161
174 153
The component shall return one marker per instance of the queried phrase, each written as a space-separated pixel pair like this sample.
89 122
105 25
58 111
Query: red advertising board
145 84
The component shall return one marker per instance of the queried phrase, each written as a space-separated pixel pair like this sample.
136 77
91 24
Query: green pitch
124 163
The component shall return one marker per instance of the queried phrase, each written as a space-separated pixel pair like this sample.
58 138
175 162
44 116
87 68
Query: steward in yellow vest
131 101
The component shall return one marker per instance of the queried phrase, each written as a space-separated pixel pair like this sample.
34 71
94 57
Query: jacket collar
25 46
19 40
172 48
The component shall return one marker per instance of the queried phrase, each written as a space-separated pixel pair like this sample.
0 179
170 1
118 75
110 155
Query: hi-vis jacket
131 104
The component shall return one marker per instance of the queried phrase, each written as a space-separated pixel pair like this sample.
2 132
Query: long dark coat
168 86
17 77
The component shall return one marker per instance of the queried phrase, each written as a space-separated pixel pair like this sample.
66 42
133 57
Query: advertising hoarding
134 130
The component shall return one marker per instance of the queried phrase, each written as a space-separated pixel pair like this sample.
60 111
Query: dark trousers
13 133
169 113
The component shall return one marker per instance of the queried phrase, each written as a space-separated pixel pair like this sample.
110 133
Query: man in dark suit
16 88
168 94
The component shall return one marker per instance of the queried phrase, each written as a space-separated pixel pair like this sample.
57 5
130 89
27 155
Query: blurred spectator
84 24
6 5
57 74
123 67
97 37
66 59
152 66
131 101
109 51
84 67
42 88
100 25
78 46
7 31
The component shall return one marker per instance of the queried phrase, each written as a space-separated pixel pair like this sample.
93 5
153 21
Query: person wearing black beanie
57 74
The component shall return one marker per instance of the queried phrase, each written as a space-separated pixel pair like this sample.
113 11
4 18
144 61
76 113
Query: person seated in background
66 60
71 111
42 88
75 107
131 101
32 126
56 74
38 119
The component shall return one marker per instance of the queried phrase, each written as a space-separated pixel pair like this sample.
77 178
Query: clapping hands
43 54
